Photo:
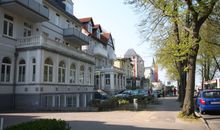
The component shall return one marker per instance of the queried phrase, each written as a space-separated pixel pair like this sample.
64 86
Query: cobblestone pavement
157 117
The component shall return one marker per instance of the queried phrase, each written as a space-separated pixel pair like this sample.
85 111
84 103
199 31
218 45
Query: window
61 72
81 75
98 33
107 79
68 23
71 101
57 19
27 30
48 70
57 100
21 71
49 101
57 39
8 25
73 73
6 70
33 70
89 27
90 76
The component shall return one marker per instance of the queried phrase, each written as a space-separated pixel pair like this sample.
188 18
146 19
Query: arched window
72 73
81 75
21 71
61 72
48 70
6 69
90 75
33 70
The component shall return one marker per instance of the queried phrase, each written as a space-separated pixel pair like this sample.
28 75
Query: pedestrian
163 93
174 91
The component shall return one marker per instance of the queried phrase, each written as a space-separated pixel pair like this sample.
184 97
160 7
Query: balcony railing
110 69
75 36
100 50
30 9
38 40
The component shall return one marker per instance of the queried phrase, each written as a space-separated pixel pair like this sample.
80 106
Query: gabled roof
96 26
109 36
103 38
130 53
86 20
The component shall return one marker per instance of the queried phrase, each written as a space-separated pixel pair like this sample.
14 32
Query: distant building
126 65
138 68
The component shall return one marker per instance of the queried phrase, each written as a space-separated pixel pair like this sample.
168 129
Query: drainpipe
14 79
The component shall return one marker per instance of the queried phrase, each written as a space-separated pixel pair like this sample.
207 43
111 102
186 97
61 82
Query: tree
196 12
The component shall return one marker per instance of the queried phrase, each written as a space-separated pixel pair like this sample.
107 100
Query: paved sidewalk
157 117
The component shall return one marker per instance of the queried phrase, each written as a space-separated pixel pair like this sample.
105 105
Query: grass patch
190 118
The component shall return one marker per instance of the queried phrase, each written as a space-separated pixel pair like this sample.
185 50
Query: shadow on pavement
214 113
94 125
165 104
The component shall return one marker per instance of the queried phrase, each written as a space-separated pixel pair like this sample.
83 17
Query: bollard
135 104
1 124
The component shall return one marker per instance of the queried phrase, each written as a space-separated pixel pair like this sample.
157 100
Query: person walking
174 92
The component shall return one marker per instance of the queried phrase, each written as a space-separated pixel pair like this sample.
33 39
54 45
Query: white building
126 65
138 68
41 61
107 77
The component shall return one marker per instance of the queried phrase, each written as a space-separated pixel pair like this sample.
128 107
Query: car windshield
212 94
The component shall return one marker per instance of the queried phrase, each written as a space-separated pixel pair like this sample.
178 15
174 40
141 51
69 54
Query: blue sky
121 20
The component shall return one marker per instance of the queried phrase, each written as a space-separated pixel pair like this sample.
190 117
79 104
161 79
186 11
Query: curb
203 120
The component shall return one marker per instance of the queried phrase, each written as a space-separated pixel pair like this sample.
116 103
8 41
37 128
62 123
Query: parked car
99 94
124 94
157 93
208 100
140 92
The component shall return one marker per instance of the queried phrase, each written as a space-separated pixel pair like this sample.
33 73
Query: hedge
41 124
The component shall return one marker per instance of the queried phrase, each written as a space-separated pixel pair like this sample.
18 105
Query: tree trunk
183 88
188 106
182 81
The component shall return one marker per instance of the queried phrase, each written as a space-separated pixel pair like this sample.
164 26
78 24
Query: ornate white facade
41 61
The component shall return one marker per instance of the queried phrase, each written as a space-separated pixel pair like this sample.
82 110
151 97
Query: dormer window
98 33
89 27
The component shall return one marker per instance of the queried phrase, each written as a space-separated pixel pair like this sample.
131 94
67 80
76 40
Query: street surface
157 117
213 120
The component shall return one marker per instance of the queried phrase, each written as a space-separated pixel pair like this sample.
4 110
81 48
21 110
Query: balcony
99 50
38 41
29 9
110 69
75 36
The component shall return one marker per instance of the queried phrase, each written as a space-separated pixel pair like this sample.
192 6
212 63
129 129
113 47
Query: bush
95 103
41 124
109 104
123 102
